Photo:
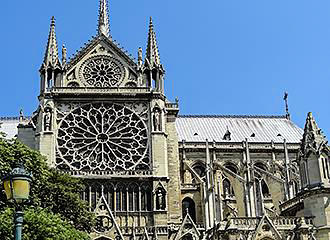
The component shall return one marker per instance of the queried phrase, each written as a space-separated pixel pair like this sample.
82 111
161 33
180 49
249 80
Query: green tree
55 210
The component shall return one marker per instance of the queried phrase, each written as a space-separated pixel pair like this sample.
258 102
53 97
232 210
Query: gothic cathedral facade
153 174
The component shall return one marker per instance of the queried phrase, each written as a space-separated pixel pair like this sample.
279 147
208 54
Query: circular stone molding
102 71
102 136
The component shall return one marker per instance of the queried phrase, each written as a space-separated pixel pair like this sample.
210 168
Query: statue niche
47 119
160 199
157 119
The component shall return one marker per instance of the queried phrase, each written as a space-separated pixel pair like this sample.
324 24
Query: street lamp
17 189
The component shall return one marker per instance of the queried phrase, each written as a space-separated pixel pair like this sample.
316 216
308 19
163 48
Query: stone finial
64 55
51 54
140 57
103 23
152 54
21 116
285 98
313 137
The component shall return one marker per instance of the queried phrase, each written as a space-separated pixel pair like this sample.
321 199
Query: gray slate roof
194 128
264 128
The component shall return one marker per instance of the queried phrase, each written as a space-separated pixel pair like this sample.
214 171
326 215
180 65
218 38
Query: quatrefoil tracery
102 136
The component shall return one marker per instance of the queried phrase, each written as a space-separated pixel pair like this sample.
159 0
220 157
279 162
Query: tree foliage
55 208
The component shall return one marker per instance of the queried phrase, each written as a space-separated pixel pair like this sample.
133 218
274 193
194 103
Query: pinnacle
52 22
51 54
152 54
311 123
103 23
313 136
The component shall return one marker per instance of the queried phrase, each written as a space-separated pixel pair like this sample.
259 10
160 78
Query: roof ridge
232 116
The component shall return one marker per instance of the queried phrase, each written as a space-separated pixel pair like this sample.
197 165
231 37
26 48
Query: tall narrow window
188 206
325 166
146 197
109 195
136 199
95 195
119 197
228 190
124 199
303 174
264 189
133 197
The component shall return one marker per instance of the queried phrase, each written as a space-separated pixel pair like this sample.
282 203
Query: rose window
102 136
102 71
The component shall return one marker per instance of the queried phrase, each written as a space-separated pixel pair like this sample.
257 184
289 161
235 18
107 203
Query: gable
101 64
266 230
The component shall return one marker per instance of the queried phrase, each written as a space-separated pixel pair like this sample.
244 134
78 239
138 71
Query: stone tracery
102 71
102 136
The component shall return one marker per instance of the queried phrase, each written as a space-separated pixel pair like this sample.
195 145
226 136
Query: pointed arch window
188 206
325 167
228 190
265 189
121 198
146 197
231 167
109 195
133 197
96 191
200 170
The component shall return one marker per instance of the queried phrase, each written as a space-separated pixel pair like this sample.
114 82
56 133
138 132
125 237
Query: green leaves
55 210
39 224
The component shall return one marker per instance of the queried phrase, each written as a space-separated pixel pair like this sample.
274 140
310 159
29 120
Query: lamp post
17 189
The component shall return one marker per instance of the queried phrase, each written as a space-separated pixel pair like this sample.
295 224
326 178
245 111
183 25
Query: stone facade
152 174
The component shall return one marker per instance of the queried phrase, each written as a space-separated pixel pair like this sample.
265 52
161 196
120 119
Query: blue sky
220 56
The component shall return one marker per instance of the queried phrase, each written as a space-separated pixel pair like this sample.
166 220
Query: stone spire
51 55
313 138
152 55
104 24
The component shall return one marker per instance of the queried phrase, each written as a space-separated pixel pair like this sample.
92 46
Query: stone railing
188 186
98 174
244 222
79 90
161 230
172 105
291 203
279 222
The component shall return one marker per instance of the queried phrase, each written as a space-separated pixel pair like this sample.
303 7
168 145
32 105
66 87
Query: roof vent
195 134
279 135
253 135
227 136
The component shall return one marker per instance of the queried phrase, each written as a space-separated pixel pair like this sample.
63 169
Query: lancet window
228 190
325 168
265 189
120 197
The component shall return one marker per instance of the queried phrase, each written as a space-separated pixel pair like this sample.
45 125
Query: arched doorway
189 205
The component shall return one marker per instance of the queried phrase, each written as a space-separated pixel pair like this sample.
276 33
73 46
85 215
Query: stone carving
160 199
187 177
47 119
102 136
102 71
157 126
103 224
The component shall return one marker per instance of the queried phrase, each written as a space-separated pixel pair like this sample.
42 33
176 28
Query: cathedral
152 173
